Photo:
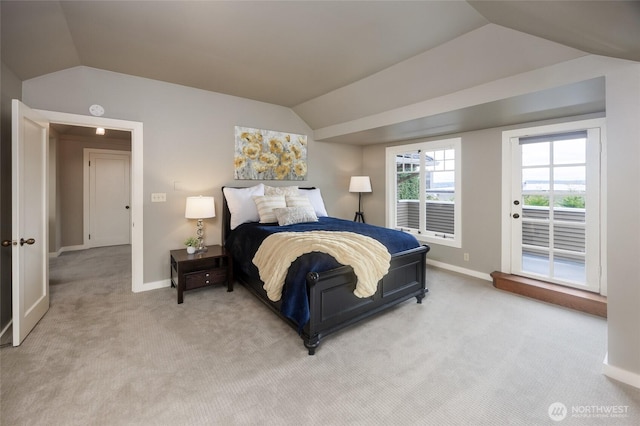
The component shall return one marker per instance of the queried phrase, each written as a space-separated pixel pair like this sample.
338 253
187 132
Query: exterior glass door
555 208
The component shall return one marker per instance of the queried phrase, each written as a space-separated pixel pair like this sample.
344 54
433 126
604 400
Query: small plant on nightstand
191 243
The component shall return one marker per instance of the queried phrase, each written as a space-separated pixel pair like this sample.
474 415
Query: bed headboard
226 217
226 214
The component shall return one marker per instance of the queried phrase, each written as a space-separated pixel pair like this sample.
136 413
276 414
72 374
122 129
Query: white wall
623 221
188 138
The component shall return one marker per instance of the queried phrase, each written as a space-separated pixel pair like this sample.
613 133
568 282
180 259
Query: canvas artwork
269 155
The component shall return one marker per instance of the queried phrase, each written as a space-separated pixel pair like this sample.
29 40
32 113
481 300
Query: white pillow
266 204
241 205
280 190
316 201
291 215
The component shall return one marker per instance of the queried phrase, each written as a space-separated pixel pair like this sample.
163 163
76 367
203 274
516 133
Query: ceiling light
100 131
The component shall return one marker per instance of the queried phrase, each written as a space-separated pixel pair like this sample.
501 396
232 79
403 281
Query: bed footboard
333 306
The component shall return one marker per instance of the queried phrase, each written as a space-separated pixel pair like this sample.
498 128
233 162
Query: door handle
30 241
516 215
126 207
7 243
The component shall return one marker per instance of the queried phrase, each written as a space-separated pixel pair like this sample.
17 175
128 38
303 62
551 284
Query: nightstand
190 271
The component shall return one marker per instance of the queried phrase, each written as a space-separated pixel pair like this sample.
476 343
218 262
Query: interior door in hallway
109 198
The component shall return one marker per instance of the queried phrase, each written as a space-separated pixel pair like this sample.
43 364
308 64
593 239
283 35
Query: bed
318 294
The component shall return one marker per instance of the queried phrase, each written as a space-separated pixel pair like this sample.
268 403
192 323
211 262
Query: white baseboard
624 376
154 285
460 270
67 248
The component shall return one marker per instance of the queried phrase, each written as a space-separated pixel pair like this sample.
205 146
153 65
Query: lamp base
359 217
200 235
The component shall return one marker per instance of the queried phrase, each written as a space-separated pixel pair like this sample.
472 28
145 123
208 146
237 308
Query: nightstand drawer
205 278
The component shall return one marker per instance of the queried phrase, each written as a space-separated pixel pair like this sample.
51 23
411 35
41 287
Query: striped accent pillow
297 201
265 205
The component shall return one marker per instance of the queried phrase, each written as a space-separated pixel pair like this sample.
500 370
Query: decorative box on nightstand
190 271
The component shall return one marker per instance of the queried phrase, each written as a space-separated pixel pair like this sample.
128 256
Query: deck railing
440 219
568 230
439 215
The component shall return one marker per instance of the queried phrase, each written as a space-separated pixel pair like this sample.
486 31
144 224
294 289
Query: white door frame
137 196
507 171
86 188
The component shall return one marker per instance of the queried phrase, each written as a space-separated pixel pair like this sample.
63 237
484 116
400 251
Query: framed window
423 190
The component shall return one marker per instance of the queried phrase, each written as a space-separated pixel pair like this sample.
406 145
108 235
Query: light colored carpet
469 355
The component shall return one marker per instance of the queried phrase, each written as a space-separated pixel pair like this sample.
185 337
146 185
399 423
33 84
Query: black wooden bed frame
332 304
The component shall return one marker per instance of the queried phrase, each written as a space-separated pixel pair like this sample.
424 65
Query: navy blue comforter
244 241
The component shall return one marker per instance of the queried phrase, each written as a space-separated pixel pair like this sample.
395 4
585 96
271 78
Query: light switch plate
158 197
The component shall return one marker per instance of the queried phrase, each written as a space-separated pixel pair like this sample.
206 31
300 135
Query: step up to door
579 300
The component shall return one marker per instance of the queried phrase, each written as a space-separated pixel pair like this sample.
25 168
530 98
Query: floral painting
269 155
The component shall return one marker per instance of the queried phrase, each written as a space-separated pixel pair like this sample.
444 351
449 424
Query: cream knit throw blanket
368 257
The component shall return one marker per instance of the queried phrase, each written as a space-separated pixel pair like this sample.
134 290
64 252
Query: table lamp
200 208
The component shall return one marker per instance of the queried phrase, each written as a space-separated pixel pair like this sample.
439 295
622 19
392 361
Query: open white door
30 262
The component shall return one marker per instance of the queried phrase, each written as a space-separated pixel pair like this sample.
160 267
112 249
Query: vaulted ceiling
292 53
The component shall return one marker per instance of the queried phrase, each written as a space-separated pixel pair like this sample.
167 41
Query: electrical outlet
158 197
466 257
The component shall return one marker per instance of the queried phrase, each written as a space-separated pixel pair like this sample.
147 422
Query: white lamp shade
360 184
200 208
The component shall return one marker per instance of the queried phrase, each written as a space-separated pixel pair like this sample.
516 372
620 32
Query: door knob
516 215
30 241
6 243
126 207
